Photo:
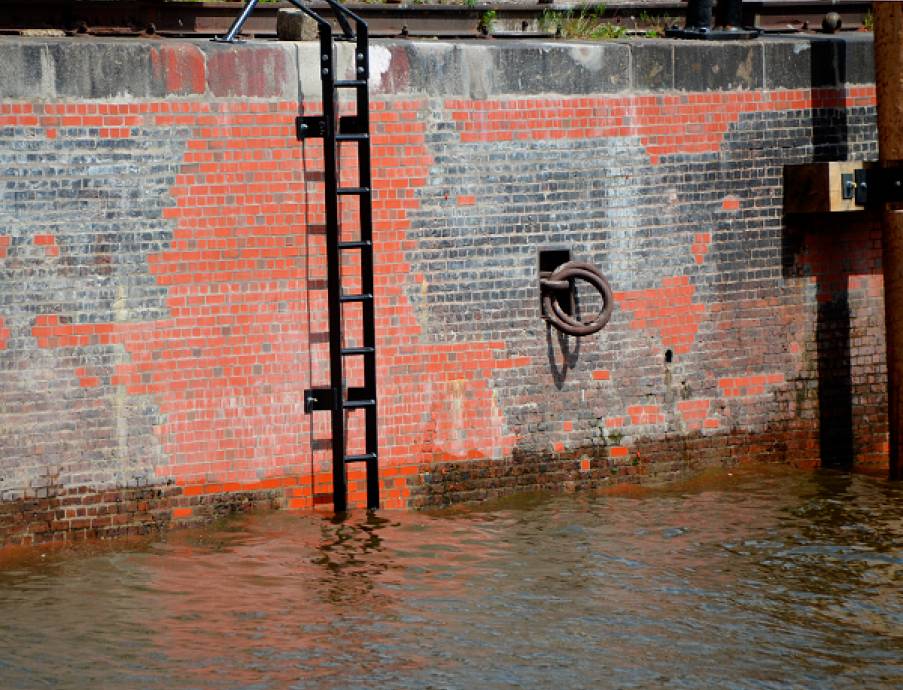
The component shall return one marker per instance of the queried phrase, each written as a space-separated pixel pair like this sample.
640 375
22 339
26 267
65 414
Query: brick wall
162 273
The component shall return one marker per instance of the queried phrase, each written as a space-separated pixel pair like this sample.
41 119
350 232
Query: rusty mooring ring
560 281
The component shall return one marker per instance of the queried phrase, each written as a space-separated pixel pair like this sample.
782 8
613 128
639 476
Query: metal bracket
861 186
318 399
875 185
847 186
324 399
892 183
549 259
362 64
312 126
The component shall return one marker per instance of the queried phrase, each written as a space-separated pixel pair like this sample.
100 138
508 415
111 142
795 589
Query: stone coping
67 68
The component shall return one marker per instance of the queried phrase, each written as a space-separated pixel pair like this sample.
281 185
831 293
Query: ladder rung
356 404
344 191
356 244
365 297
347 351
356 136
363 457
349 83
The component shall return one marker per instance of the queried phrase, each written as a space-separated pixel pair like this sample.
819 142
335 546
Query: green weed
868 21
487 20
587 24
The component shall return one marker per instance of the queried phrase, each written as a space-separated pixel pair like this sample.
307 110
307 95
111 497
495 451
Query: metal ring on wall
561 280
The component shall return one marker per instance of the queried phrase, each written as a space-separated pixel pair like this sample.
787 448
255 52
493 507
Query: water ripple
750 580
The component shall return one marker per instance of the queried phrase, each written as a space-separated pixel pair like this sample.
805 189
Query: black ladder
336 131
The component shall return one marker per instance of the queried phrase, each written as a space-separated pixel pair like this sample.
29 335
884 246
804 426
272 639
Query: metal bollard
728 17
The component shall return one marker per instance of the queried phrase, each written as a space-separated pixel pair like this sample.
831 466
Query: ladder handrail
341 8
340 12
309 12
339 15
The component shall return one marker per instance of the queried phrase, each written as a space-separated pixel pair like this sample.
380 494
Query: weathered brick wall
162 272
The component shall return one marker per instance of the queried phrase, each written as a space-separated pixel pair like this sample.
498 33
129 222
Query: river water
766 578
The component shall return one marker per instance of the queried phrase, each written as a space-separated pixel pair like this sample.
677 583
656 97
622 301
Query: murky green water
766 579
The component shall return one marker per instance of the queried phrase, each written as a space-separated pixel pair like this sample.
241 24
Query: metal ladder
336 131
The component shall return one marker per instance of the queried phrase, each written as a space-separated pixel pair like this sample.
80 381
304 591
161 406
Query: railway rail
510 19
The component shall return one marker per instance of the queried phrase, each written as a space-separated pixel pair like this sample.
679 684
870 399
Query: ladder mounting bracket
309 127
832 186
318 399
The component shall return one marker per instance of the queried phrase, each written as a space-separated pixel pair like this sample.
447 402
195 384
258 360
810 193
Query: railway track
511 19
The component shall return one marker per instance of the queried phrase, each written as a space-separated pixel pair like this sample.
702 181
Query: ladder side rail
333 262
366 261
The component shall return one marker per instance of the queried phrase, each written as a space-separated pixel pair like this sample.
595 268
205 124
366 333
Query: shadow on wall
809 248
806 236
563 351
835 380
832 248
830 127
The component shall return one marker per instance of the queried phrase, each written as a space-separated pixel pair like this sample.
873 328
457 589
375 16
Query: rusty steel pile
453 19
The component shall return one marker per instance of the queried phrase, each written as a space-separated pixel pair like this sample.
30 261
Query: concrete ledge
256 70
477 69
53 68
819 62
